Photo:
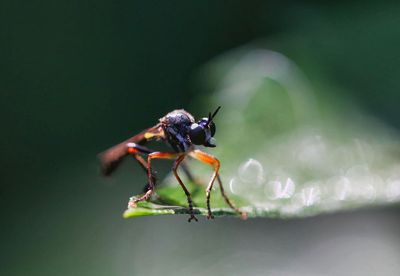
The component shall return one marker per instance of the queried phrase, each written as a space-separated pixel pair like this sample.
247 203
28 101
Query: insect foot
243 215
210 216
192 217
132 203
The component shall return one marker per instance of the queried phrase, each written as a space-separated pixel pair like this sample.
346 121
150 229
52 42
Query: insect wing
112 157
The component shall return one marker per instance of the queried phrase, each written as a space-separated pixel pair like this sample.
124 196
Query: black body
176 127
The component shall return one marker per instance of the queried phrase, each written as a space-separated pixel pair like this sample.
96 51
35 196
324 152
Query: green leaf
172 200
286 150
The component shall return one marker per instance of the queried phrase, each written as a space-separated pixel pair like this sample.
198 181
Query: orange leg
165 155
228 201
134 150
211 160
144 165
189 198
151 178
138 158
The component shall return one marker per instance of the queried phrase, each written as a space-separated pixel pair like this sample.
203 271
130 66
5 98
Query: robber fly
180 131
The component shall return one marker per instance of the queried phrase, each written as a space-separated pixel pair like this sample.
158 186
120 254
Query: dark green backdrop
79 76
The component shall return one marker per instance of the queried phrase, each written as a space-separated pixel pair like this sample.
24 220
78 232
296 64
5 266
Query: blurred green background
78 77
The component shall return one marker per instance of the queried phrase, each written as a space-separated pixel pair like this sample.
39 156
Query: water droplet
342 187
233 186
252 172
312 151
310 196
368 192
283 190
393 190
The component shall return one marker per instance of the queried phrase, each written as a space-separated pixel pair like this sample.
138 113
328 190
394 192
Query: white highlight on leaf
330 162
283 190
312 151
310 196
342 187
364 182
252 172
233 186
393 190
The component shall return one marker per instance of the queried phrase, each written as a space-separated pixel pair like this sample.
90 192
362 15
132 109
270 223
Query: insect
183 134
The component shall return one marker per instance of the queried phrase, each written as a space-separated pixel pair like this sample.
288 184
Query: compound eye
197 134
212 128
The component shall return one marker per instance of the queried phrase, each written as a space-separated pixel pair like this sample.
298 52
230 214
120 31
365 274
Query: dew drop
393 190
252 172
281 190
310 196
342 188
233 186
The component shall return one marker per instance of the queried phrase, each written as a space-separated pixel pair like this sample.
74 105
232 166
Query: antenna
215 112
211 117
